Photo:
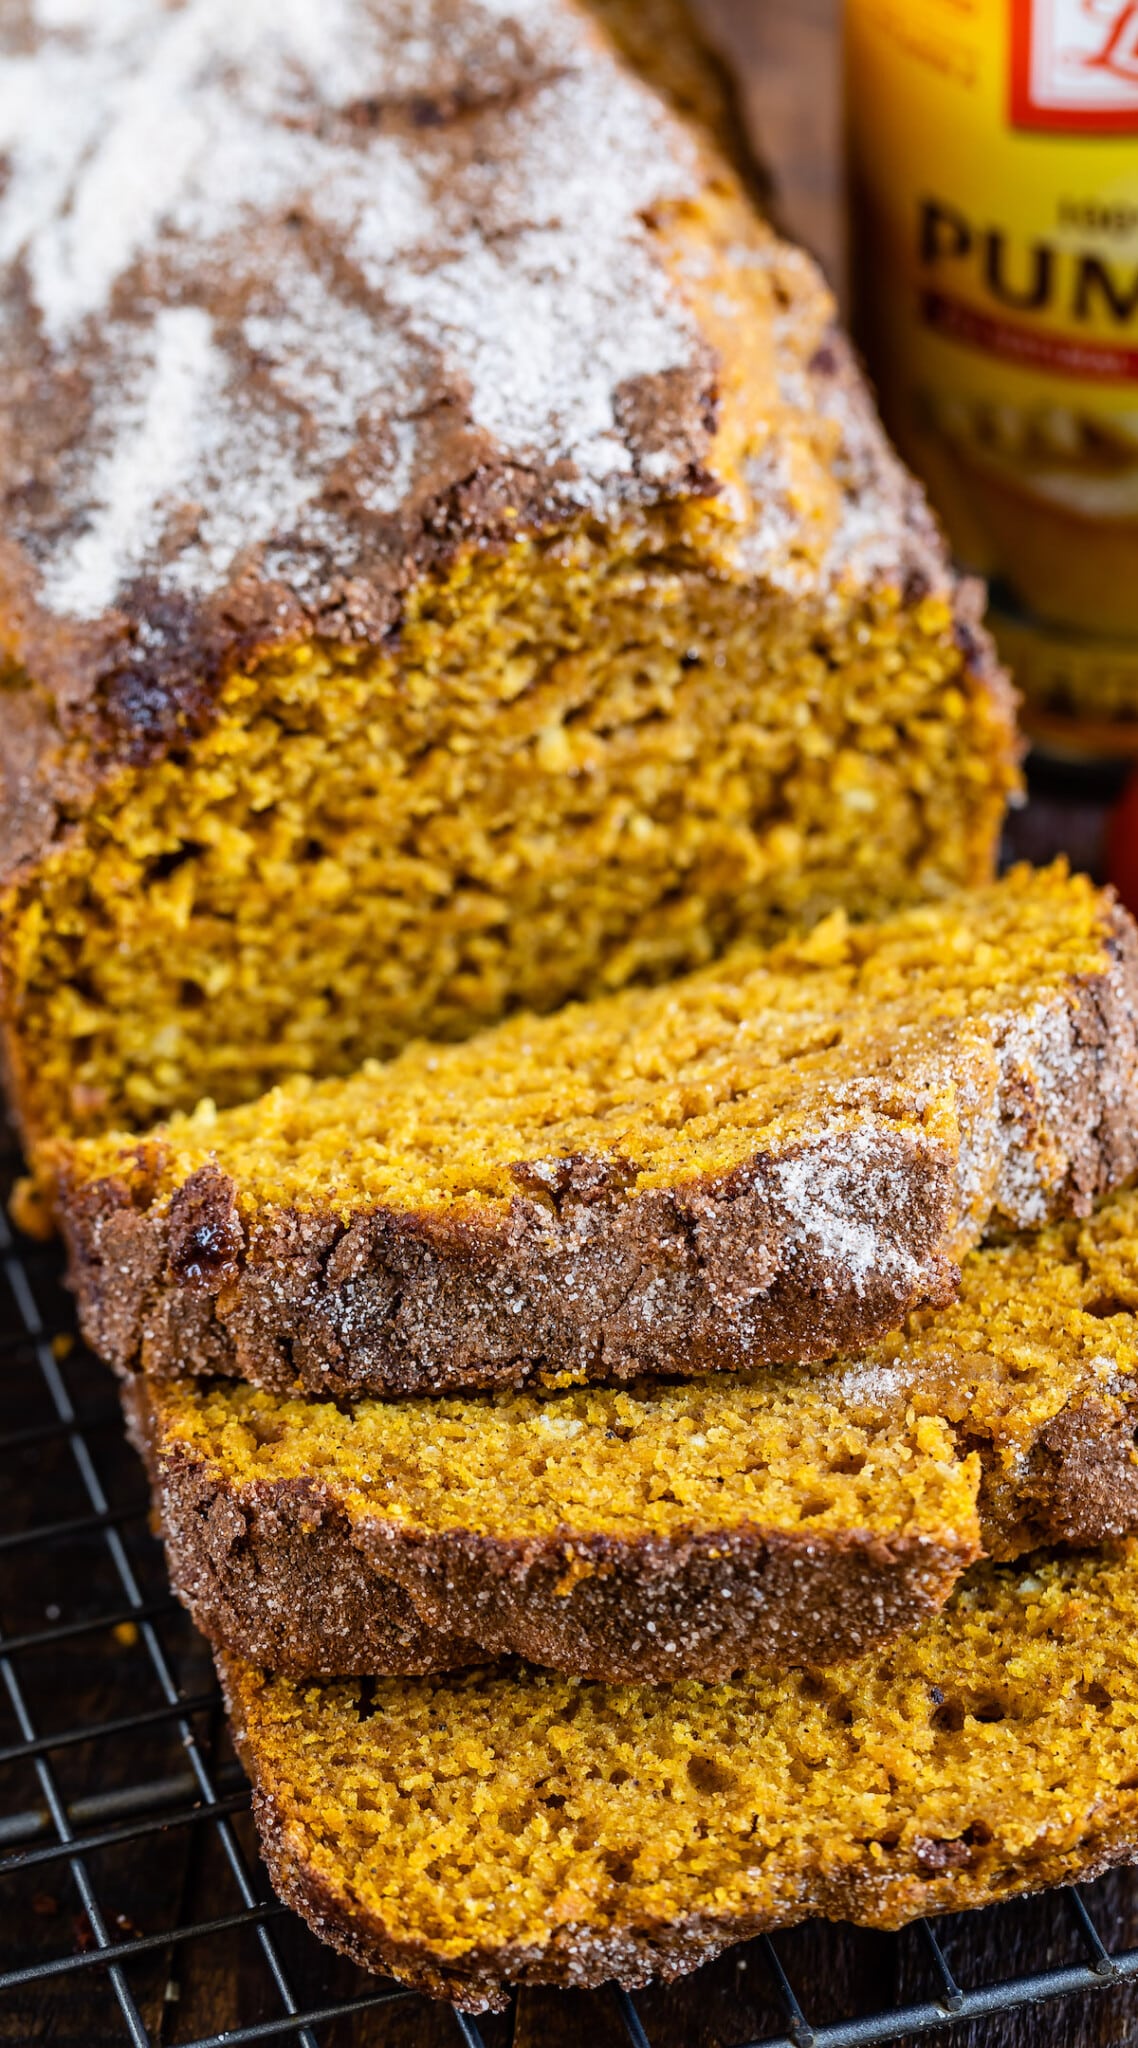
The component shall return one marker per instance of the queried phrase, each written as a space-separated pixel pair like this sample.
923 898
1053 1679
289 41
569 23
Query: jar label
994 284
1075 66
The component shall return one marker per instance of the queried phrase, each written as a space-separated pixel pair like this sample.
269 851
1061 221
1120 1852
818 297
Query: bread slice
773 1159
666 1530
451 562
506 1826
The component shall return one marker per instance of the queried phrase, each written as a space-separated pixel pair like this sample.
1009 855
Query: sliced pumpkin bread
666 1530
507 1826
772 1159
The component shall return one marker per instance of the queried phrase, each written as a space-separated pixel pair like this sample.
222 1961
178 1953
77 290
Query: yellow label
994 277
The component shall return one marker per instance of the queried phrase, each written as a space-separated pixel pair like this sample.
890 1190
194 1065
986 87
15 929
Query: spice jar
993 179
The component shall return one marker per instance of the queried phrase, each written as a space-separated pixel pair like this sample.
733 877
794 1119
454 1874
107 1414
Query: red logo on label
1075 65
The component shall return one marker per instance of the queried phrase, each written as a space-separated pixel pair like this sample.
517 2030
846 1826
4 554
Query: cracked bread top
292 312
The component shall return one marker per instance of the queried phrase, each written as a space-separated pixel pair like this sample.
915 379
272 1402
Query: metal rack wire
130 1804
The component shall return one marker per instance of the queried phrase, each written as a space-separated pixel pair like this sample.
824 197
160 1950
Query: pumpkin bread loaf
772 1159
450 558
667 1530
508 1826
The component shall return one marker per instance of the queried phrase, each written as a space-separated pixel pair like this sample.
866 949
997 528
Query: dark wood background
786 57
786 53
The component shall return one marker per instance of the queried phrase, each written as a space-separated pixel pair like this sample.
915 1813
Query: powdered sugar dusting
270 239
843 1204
172 390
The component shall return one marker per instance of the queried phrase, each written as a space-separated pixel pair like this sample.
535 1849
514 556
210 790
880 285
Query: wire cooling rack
132 1905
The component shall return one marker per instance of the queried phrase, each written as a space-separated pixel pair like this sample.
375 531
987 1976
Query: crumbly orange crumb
463 1820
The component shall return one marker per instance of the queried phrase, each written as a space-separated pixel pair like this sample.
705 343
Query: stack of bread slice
613 1226
404 1354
